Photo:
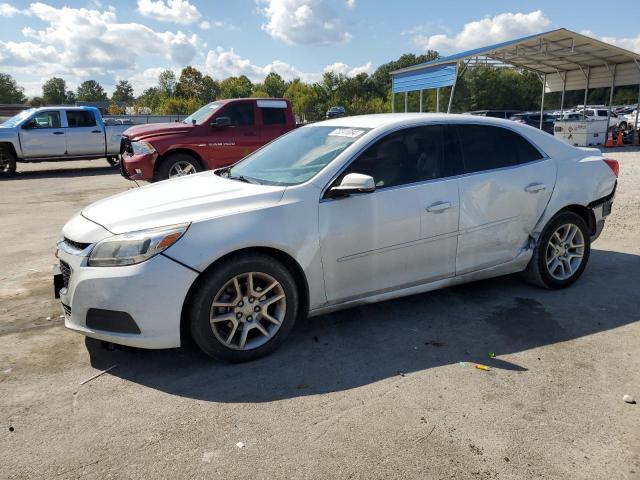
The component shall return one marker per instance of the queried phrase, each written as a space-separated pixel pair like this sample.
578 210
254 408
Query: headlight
142 148
134 247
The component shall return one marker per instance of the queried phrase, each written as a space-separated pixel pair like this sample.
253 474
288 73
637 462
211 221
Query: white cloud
500 28
351 3
7 10
344 69
176 11
146 79
629 43
303 22
79 39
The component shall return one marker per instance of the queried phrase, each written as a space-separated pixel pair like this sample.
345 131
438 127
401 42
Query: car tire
623 126
176 163
561 252
223 307
7 163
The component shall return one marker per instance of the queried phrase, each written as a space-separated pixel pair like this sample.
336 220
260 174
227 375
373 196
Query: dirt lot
373 392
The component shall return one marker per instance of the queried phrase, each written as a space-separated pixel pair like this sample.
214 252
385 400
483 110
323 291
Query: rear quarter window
273 116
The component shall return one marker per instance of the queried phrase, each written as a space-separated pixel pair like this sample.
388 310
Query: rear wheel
7 163
244 309
562 252
178 165
623 126
114 161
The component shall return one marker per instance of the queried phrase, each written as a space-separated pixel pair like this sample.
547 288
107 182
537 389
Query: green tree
10 91
303 98
167 83
54 91
150 99
236 87
71 97
274 85
193 84
91 91
178 106
123 92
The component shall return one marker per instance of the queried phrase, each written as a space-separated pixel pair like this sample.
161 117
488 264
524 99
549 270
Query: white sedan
335 214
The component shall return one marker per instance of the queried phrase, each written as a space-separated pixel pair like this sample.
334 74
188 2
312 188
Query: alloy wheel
565 251
248 311
179 169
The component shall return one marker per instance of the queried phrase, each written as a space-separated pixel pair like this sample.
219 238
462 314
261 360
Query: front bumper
151 293
138 167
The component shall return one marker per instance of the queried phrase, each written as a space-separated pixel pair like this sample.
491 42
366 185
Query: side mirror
353 183
221 122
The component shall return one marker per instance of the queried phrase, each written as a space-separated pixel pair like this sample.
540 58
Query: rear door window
487 147
273 116
80 118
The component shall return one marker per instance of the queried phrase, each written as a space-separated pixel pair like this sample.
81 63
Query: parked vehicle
57 133
217 135
332 215
506 114
602 114
336 112
533 120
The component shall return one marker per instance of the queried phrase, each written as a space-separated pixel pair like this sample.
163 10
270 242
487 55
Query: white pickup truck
57 133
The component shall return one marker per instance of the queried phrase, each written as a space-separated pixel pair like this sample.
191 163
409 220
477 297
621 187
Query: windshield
200 116
296 157
16 119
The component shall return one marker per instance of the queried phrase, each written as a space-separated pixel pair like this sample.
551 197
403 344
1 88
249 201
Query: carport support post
613 83
453 90
406 101
544 83
393 102
564 87
420 101
586 94
438 99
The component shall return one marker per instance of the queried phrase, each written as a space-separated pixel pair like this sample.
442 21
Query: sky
134 40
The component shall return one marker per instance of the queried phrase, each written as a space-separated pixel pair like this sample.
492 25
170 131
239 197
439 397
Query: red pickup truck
217 135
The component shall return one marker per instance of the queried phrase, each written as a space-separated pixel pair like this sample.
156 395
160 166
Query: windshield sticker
346 132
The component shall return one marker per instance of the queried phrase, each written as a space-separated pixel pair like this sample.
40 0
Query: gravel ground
384 391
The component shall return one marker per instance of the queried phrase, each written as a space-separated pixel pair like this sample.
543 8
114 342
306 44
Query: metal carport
565 60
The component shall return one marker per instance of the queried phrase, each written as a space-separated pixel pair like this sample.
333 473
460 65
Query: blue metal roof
425 78
469 53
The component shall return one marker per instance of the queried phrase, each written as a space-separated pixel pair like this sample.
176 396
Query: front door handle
438 207
535 188
58 133
96 131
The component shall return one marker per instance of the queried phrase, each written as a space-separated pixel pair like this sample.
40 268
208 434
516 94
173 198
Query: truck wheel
7 163
623 126
244 308
178 165
114 161
561 253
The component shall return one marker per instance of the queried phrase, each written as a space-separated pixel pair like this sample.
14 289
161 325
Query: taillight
613 165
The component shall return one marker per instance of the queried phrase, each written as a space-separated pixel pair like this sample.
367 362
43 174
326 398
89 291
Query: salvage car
216 135
335 214
57 133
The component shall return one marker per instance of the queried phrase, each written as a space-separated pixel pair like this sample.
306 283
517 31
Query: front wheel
561 253
244 309
178 165
7 164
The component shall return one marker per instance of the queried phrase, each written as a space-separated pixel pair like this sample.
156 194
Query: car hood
141 132
181 200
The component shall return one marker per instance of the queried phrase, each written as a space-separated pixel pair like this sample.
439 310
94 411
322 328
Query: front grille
65 269
76 245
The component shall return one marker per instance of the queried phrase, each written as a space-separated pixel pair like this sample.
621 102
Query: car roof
378 120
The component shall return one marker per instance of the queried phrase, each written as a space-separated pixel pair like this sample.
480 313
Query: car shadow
351 348
64 173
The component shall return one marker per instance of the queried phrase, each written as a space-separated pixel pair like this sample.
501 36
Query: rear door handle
535 188
438 207
58 133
